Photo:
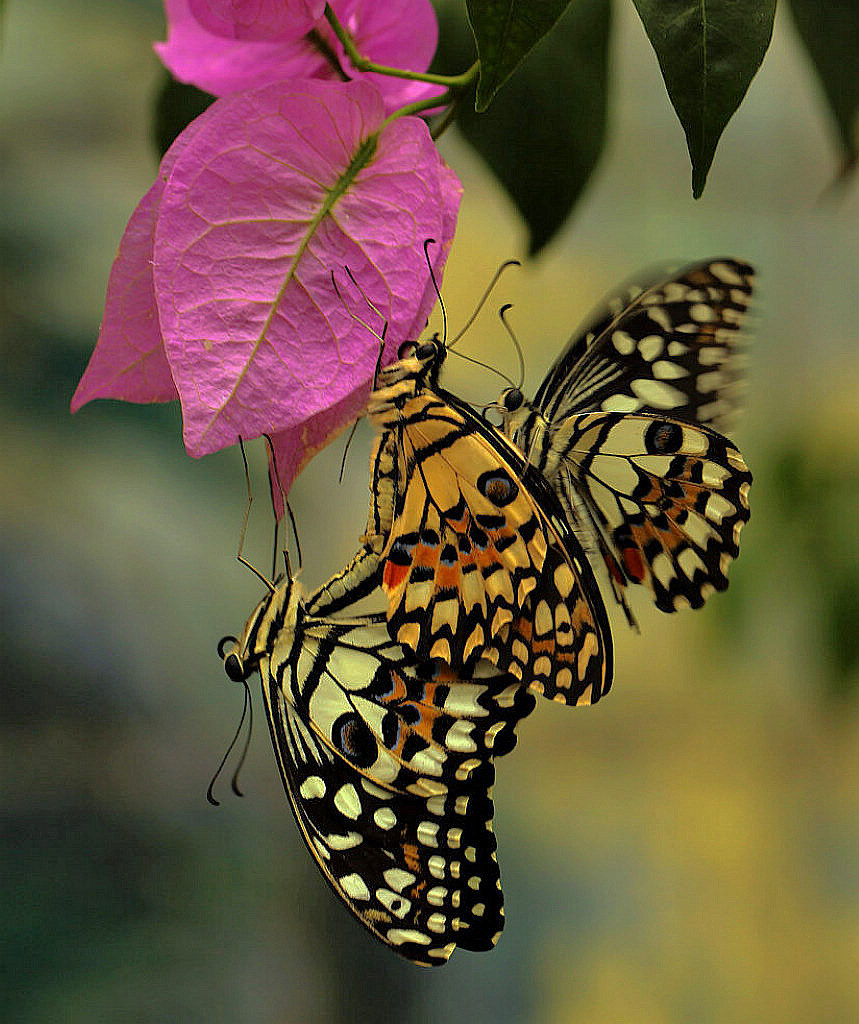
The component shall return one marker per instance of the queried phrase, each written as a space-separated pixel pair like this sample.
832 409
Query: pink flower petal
269 200
401 33
129 361
258 19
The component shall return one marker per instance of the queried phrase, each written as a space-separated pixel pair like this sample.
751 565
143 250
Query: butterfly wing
673 347
467 544
419 873
415 727
560 642
666 500
401 833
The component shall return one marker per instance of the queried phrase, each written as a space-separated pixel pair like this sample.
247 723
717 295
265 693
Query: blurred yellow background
687 851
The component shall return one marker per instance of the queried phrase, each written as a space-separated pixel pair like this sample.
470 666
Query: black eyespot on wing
498 486
663 437
352 737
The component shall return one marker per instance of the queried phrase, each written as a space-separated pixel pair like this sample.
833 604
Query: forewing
467 545
420 873
676 347
666 499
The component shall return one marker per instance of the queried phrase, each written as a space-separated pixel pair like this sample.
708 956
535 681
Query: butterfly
388 766
470 545
624 427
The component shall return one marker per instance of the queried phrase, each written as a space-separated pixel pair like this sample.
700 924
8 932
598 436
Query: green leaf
709 51
176 106
544 133
505 31
830 32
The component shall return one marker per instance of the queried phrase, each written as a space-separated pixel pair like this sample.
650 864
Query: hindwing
666 500
459 535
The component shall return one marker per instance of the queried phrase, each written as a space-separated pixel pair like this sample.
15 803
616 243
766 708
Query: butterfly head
417 367
275 615
420 360
514 410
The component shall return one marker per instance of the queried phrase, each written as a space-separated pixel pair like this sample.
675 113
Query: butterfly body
388 766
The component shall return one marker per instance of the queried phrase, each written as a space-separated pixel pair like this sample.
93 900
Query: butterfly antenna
210 796
239 556
516 344
486 294
346 452
249 705
371 304
427 243
486 366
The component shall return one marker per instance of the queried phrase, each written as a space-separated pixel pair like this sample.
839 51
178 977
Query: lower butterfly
388 766
623 428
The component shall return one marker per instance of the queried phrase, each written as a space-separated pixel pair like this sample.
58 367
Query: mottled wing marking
667 500
466 546
416 727
560 642
420 873
675 346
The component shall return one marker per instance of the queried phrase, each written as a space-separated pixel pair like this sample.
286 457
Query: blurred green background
688 851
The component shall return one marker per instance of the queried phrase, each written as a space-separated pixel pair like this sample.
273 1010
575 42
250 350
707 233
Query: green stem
362 64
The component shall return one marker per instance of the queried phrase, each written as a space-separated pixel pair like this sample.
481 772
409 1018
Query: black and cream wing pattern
388 766
626 427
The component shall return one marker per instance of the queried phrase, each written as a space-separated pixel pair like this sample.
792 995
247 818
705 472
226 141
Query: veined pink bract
264 198
258 19
399 33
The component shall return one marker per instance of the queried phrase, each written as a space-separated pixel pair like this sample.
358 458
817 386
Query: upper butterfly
388 767
470 544
623 428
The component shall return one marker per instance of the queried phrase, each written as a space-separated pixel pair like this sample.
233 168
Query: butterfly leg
363 572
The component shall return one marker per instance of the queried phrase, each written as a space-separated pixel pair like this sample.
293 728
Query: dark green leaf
544 133
830 32
505 31
176 106
709 51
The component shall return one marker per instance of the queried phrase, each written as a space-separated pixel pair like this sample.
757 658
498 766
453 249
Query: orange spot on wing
447 576
394 575
634 564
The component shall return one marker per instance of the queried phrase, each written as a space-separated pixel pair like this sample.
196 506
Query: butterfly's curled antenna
427 243
247 712
239 556
496 277
515 340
